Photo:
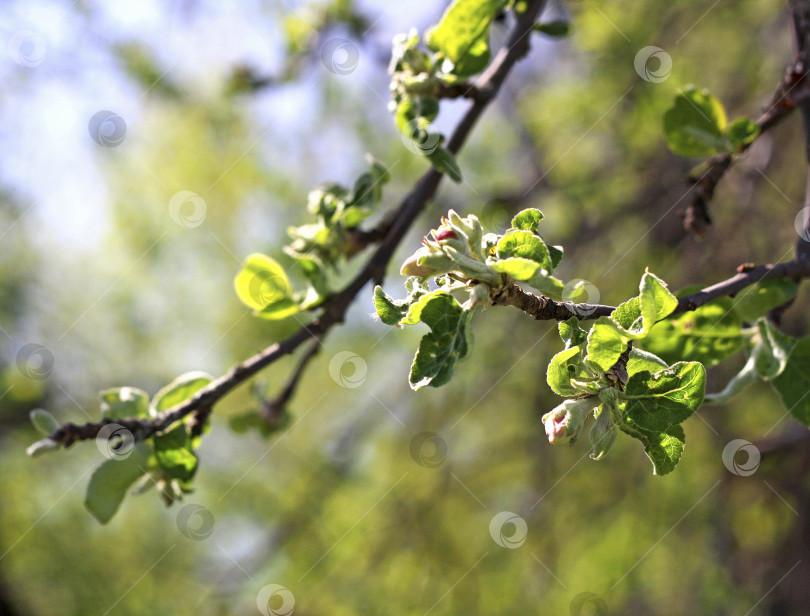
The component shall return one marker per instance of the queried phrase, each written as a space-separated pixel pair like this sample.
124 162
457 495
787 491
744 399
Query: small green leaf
557 28
263 285
758 300
43 421
628 316
388 309
110 481
462 25
664 448
179 390
547 285
414 313
443 160
669 396
556 255
475 60
742 132
526 245
696 123
174 454
571 333
605 344
793 385
657 302
124 402
642 360
516 268
446 344
771 350
564 366
253 420
527 220
709 334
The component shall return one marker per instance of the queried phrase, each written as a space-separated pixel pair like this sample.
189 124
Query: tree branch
334 308
545 309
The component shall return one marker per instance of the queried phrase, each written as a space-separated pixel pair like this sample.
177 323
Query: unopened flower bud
424 262
444 233
564 422
602 435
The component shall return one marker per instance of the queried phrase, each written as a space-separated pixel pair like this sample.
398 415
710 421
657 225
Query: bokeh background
353 508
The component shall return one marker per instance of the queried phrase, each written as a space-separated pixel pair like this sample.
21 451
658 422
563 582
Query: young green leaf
547 285
414 312
263 285
516 268
571 333
527 220
123 402
657 302
642 360
526 245
742 132
388 309
110 481
758 300
793 385
669 396
462 25
179 390
605 344
445 345
564 366
709 334
43 421
696 123
771 350
557 28
443 160
174 454
664 448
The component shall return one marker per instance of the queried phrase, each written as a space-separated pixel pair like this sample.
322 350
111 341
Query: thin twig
272 409
790 92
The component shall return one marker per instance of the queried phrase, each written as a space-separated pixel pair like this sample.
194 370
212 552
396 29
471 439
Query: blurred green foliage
338 507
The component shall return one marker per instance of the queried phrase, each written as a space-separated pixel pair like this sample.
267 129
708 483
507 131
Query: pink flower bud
444 233
411 267
564 422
